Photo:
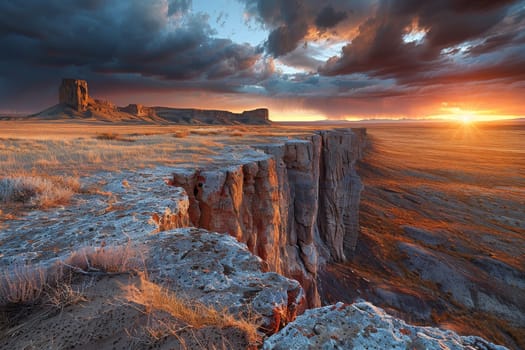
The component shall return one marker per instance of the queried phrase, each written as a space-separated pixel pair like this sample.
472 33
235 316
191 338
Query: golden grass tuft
108 136
114 259
38 191
195 314
26 284
22 285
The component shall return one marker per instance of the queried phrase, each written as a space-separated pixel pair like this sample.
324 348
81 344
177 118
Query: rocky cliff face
74 93
296 207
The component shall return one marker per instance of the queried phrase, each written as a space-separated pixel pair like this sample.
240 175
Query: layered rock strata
74 101
297 208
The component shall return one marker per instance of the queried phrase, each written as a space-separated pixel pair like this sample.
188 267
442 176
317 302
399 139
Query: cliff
292 200
296 208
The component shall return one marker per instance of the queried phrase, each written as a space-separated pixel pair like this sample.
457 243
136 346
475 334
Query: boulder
364 326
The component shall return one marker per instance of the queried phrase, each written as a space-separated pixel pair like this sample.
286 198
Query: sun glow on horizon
466 118
469 116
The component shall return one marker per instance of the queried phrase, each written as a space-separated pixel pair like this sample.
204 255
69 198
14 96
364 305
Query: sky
304 60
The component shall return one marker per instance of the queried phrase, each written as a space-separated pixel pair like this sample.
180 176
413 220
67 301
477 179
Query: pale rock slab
219 271
364 326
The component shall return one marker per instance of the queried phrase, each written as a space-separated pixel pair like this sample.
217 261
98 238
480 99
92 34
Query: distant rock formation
212 117
75 103
137 110
74 93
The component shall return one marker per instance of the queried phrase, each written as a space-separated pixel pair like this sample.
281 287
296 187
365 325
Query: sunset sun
466 118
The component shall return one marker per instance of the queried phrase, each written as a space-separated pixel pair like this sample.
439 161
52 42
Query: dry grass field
42 162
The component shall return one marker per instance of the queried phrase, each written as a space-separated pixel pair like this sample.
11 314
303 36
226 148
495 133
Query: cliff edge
296 208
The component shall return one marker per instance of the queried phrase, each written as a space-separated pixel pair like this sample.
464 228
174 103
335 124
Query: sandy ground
107 318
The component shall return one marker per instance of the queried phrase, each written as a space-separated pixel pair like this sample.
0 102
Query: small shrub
64 295
22 285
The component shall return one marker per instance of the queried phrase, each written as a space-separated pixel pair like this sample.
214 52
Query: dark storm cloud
163 46
290 20
302 58
119 37
379 48
98 39
452 28
328 17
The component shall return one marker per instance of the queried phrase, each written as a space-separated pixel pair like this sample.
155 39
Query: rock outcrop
212 117
279 205
74 93
363 326
218 271
113 311
138 110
